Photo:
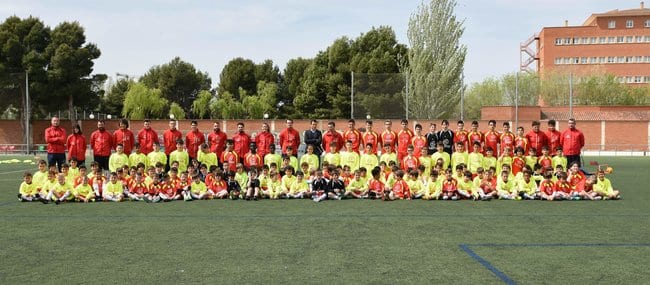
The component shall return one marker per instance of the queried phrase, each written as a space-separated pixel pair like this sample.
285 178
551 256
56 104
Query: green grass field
350 241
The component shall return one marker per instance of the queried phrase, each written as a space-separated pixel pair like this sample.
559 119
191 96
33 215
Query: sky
134 36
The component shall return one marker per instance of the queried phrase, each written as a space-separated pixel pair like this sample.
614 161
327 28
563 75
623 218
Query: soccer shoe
57 201
20 198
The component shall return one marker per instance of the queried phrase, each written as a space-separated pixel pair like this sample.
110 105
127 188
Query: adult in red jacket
124 136
101 142
289 137
263 140
553 137
147 137
537 138
332 136
241 141
55 138
170 137
217 140
572 141
77 145
194 139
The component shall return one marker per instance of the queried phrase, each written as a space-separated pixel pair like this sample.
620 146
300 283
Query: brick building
615 42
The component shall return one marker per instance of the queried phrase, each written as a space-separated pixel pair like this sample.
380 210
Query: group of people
356 163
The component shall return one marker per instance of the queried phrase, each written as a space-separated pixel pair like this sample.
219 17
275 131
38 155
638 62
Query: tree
435 60
179 82
227 107
142 102
268 72
22 51
113 102
201 105
238 73
177 111
69 69
489 92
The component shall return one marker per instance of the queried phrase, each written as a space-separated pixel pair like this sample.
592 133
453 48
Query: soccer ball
609 170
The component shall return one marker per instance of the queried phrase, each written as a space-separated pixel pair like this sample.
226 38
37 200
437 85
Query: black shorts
102 161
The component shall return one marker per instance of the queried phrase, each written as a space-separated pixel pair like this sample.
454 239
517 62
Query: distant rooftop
641 11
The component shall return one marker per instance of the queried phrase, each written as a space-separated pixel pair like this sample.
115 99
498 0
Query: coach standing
572 140
55 138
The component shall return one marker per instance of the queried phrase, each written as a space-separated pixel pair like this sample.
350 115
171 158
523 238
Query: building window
629 24
647 23
621 79
629 39
639 39
620 39
638 79
593 40
576 41
576 60
647 59
647 39
558 60
611 59
567 41
628 59
621 59
611 40
611 24
629 79
583 60
602 60
593 60
558 41
602 40
647 79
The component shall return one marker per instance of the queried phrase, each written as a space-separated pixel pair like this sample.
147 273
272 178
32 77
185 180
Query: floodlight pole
352 97
27 136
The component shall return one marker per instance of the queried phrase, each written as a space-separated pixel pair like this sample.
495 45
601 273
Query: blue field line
487 265
507 280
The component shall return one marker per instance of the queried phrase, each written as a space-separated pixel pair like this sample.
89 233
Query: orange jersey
492 140
576 179
475 137
232 158
355 137
518 164
390 138
545 162
403 140
461 136
411 162
489 185
507 139
139 189
401 189
376 185
371 138
563 186
218 186
168 189
418 143
253 160
522 142
154 189
450 185
547 187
